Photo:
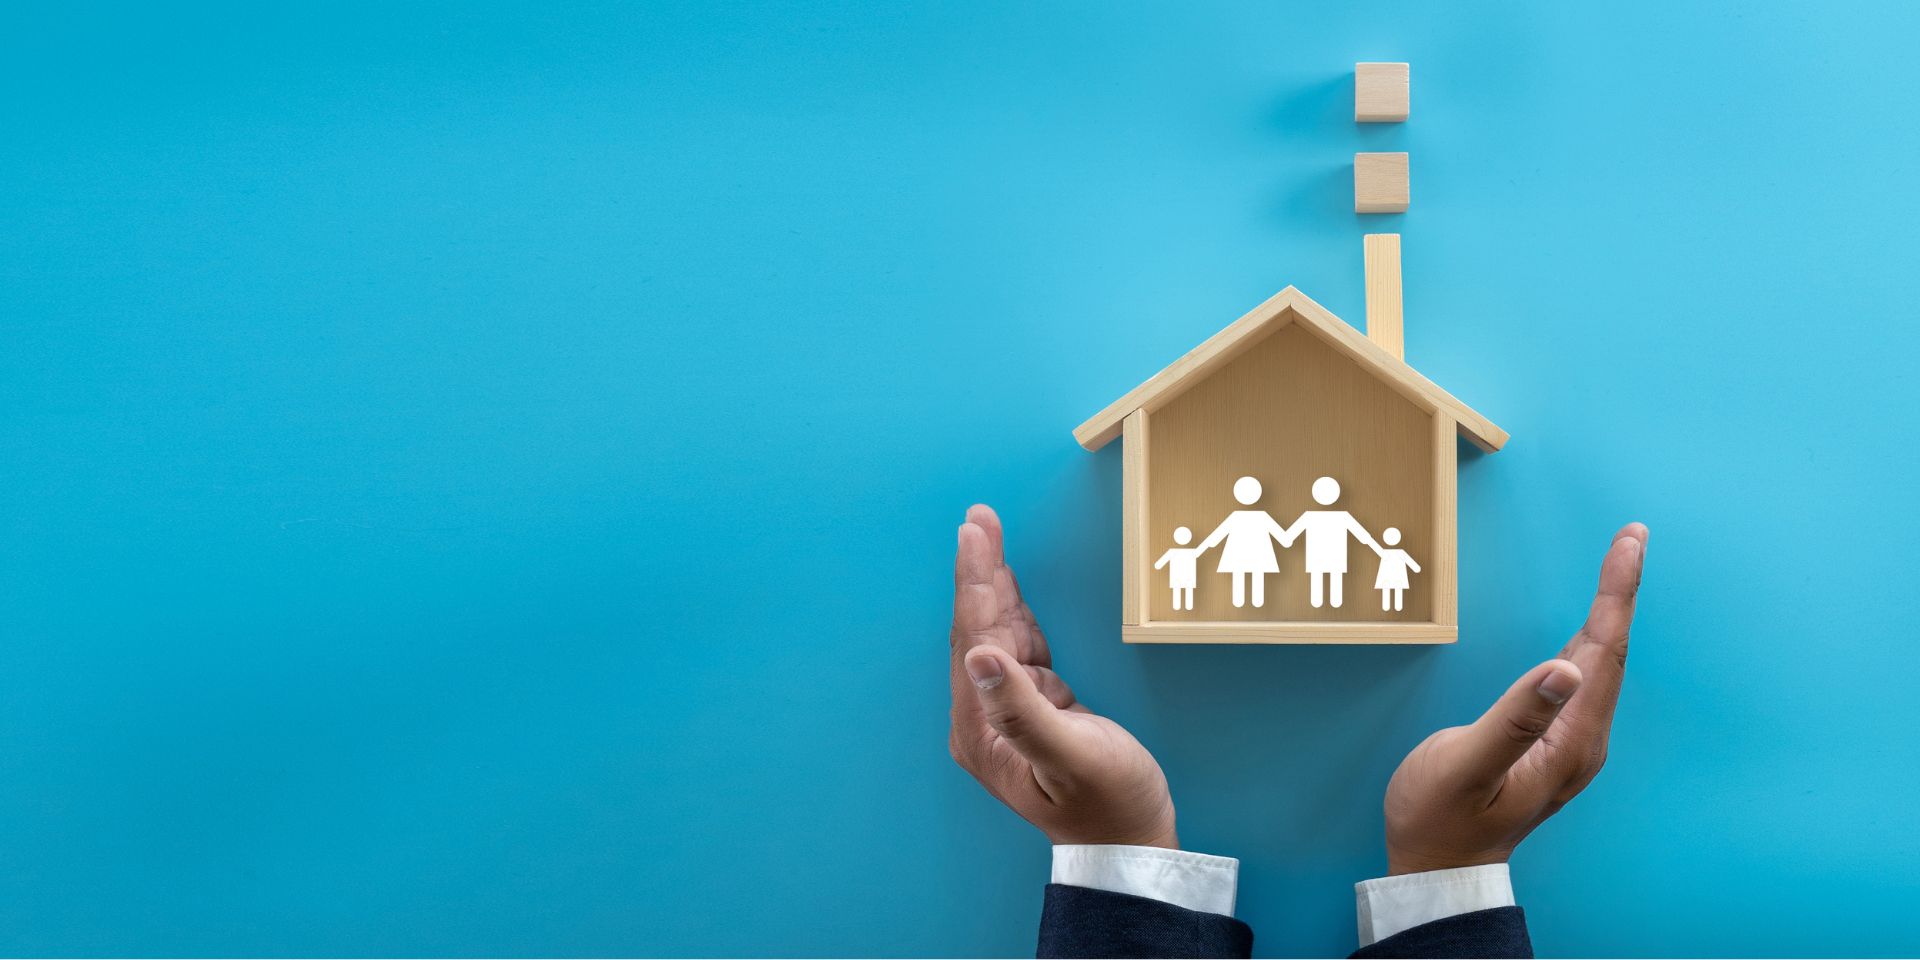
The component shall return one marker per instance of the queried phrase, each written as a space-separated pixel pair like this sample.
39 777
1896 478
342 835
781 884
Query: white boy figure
1391 581
1183 566
1326 532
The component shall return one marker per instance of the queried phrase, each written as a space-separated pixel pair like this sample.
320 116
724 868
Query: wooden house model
1290 393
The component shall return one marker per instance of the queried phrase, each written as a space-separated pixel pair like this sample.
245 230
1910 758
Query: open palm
1468 795
1016 726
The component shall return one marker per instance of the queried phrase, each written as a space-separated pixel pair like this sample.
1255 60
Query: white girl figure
1183 567
1249 552
1326 532
1391 581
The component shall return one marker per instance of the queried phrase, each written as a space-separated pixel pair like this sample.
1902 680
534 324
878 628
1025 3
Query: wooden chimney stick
1384 322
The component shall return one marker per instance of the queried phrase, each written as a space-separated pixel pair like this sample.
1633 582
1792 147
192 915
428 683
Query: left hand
1017 728
1468 795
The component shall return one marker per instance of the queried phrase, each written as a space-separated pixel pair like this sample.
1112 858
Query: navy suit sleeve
1500 932
1083 922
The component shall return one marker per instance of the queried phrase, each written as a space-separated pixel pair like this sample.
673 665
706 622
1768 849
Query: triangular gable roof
1279 310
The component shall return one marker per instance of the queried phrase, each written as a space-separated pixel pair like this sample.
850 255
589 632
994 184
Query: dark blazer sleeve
1500 932
1083 922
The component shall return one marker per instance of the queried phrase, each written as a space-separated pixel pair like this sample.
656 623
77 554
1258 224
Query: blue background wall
482 479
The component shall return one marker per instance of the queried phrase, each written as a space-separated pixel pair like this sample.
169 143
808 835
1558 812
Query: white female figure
1248 554
1391 581
1326 532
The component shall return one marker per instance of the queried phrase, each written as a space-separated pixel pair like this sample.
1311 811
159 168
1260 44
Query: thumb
1016 708
1516 722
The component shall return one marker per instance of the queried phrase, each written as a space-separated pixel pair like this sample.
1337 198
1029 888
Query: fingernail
1557 686
985 672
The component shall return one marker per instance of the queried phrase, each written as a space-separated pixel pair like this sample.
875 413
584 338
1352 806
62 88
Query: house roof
1282 308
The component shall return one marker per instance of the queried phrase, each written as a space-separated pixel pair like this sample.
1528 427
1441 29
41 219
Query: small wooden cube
1380 92
1380 183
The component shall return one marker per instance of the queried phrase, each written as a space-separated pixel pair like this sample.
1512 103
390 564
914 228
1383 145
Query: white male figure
1326 532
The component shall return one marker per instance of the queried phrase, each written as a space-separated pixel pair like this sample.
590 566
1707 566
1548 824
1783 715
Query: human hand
1016 727
1468 795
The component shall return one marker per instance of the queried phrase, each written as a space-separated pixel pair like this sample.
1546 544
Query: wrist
1159 834
1166 840
1400 862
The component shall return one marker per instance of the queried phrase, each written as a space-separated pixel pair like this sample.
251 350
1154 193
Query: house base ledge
1234 631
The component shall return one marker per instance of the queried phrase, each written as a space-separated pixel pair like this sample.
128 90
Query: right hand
1017 728
1468 795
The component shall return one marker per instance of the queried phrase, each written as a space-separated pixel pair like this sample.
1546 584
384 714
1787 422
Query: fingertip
1633 536
972 562
985 667
1560 682
970 532
1002 682
987 520
1623 560
1514 723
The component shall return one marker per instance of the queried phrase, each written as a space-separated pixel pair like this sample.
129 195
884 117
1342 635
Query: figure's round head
1391 537
1246 490
1182 536
1325 491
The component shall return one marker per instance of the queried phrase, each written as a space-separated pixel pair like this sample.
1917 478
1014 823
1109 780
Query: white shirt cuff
1390 905
1195 881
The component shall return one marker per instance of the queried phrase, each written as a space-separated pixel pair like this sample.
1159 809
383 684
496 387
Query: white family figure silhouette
1392 578
1183 567
1249 555
1326 532
1249 551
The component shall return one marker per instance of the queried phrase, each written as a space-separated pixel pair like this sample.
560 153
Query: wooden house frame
1377 356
